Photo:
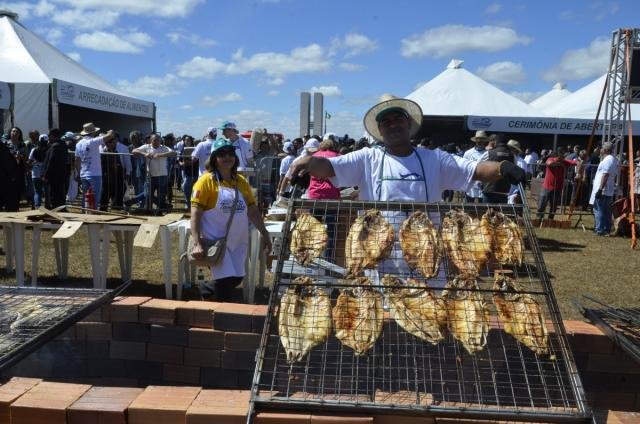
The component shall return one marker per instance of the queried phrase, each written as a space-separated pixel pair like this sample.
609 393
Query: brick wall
140 342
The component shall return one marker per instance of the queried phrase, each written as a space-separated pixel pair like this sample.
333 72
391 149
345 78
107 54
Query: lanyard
383 178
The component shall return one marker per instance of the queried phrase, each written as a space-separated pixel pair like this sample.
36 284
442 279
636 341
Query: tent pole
555 142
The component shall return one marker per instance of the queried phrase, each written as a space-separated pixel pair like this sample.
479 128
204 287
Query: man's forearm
320 167
487 172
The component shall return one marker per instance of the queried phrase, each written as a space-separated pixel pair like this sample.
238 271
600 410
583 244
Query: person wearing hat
211 203
56 169
88 162
290 151
397 171
290 179
604 186
36 162
202 150
474 194
243 147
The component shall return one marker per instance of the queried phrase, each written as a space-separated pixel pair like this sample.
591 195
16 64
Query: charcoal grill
402 374
31 316
622 325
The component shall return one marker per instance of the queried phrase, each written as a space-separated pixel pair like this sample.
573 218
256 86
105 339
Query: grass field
578 262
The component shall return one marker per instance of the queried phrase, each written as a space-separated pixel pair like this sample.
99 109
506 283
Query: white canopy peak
455 64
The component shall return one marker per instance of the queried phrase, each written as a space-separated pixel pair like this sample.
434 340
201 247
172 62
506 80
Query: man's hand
512 173
299 166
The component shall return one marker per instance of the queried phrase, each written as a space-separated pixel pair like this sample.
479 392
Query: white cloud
503 72
85 19
22 8
75 56
151 86
275 81
43 8
201 67
493 8
353 44
351 67
108 42
587 62
273 93
164 9
186 107
310 58
343 122
179 37
527 96
327 90
225 98
447 40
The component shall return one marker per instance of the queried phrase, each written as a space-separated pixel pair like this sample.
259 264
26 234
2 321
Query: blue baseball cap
222 143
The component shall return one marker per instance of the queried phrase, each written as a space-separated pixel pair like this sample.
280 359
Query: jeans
548 196
37 192
602 212
187 188
96 186
159 191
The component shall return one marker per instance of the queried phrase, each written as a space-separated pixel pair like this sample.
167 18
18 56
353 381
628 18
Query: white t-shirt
531 160
157 166
403 178
608 165
243 151
88 150
202 152
474 154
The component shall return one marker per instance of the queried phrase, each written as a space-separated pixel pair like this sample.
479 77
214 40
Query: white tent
53 90
458 92
551 97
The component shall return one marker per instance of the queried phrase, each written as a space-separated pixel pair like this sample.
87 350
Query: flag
327 115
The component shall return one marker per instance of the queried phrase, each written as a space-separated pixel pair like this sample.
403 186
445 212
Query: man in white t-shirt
88 163
474 194
202 151
243 147
603 190
156 156
396 170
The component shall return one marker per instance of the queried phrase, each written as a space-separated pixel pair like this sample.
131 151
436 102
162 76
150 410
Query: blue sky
205 61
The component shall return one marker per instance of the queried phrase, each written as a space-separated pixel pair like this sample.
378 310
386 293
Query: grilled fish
358 316
508 244
308 239
369 241
467 313
304 318
521 314
417 310
420 244
467 241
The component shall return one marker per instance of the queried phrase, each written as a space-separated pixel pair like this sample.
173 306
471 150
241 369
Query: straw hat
89 128
515 145
480 136
389 103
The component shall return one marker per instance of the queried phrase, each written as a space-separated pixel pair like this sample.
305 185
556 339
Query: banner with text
5 96
539 125
78 95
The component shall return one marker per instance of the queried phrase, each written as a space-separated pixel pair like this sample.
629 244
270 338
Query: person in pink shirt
322 188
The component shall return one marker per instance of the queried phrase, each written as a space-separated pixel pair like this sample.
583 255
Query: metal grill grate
31 316
401 372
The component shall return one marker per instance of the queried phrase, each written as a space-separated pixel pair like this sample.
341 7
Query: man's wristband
500 168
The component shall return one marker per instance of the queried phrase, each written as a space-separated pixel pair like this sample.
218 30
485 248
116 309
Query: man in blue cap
243 147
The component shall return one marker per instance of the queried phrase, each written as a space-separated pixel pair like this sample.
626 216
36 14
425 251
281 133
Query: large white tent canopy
38 72
458 92
551 97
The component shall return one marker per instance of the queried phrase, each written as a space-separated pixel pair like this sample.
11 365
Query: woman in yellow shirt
211 203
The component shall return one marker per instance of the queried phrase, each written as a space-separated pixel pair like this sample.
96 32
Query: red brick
12 390
327 419
401 419
165 353
241 342
127 350
623 417
233 317
46 403
159 311
202 357
609 400
102 405
278 418
238 360
169 334
174 373
206 338
220 407
402 398
93 331
612 364
196 313
94 316
125 309
162 405
258 317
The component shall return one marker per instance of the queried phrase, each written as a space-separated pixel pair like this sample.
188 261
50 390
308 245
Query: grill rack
402 374
31 316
